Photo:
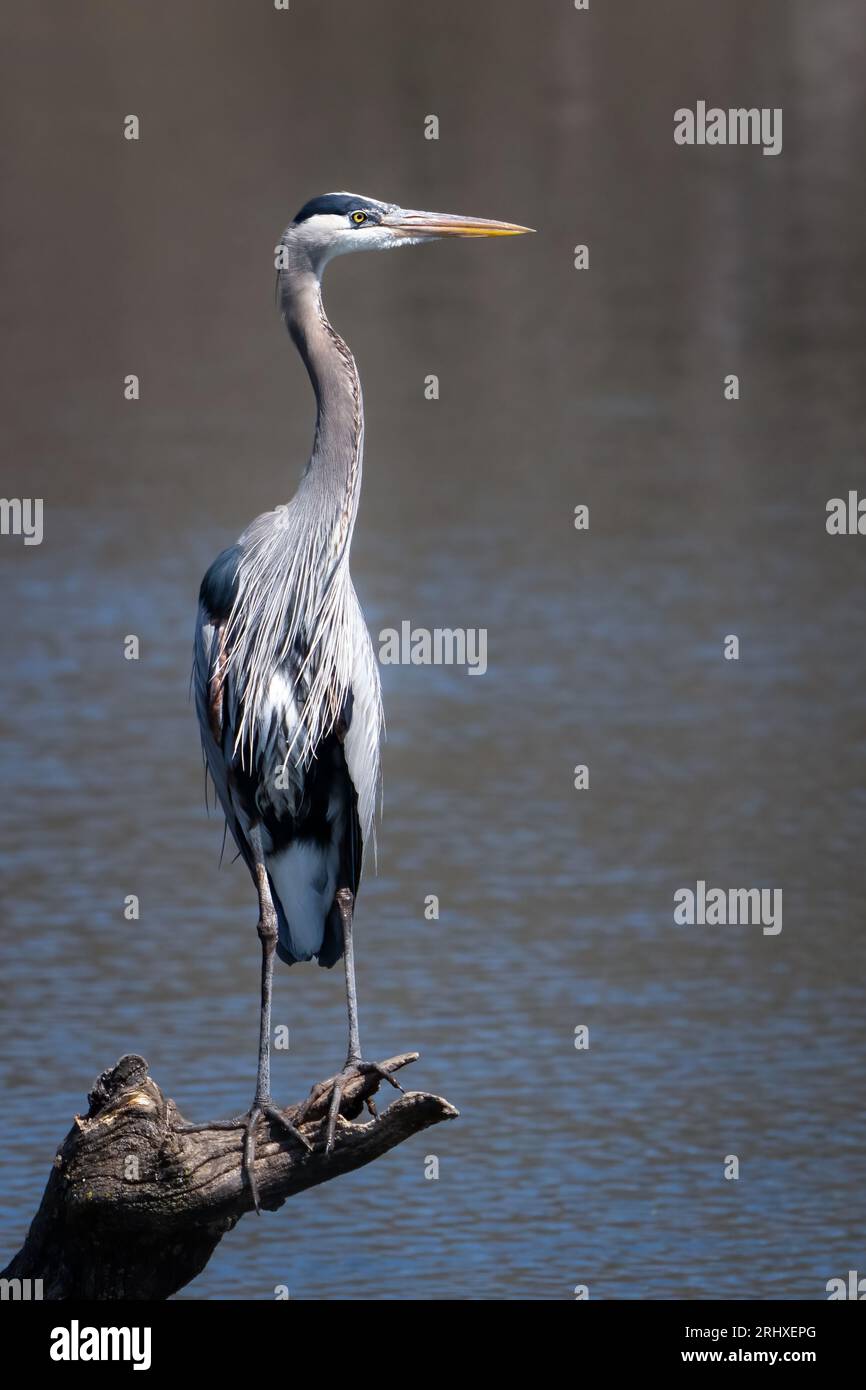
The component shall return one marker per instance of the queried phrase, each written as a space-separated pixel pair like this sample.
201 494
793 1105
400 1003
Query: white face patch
325 235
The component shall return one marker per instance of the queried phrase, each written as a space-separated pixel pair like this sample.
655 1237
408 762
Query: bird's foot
262 1108
336 1086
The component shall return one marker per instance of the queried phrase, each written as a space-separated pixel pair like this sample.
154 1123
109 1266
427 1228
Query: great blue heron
286 682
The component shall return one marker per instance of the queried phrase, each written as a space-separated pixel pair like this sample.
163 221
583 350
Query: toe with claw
336 1087
259 1110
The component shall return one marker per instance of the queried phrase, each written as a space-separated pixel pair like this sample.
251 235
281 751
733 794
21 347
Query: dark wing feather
212 706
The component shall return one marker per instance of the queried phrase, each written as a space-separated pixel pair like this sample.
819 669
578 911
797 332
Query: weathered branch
135 1205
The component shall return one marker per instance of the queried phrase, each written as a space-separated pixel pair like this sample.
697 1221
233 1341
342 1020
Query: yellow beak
437 224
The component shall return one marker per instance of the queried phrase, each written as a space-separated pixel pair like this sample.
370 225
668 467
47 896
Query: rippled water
602 1167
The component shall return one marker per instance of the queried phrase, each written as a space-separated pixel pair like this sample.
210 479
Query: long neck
333 475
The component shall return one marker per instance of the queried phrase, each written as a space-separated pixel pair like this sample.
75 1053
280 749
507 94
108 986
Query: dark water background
557 387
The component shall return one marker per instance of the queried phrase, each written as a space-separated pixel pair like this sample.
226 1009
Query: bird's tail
303 879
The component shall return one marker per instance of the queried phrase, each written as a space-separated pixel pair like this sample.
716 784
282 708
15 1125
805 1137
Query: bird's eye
359 217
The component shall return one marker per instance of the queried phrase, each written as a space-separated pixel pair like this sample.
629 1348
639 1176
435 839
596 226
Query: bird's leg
346 907
355 1065
267 933
262 1106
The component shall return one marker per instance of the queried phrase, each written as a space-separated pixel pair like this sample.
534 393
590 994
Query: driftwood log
135 1206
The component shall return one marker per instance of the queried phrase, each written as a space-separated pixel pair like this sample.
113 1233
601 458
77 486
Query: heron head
338 223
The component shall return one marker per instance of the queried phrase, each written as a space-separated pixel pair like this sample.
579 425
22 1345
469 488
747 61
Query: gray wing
210 687
317 818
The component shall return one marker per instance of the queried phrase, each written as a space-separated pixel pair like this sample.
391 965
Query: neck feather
333 474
